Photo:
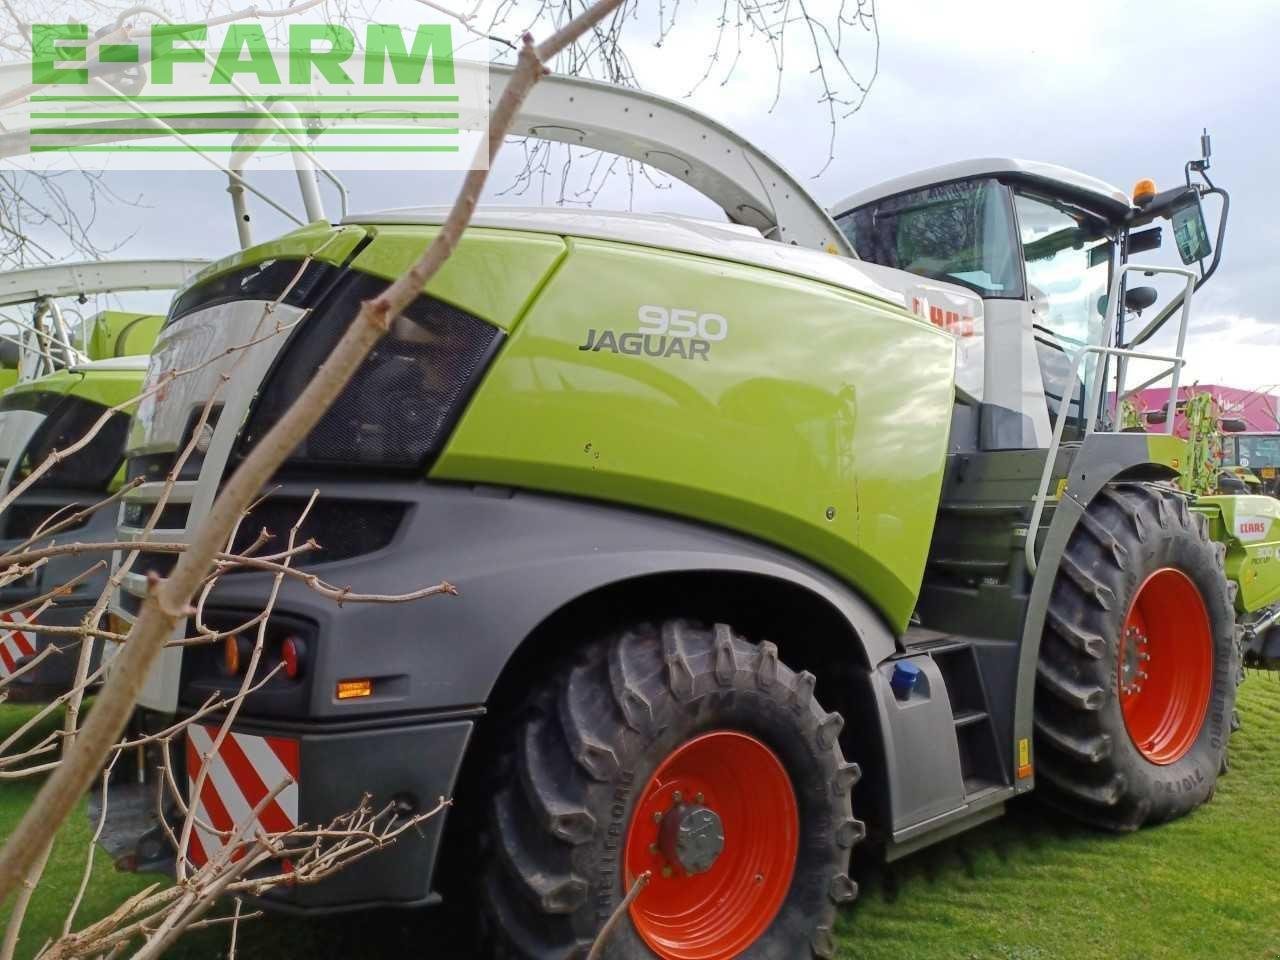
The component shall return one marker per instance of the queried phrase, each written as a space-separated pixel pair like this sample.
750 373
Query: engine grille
343 528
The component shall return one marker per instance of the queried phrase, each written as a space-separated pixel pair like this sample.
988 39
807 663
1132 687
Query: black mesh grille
344 528
173 516
22 520
161 564
130 603
89 468
398 408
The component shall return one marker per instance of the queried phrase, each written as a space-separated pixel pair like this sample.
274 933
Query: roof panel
1093 191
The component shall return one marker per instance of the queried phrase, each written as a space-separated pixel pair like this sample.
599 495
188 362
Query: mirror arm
1150 330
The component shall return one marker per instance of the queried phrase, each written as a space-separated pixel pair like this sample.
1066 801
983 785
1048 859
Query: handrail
1114 307
1176 362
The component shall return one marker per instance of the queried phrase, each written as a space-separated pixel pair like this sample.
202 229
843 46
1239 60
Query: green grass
1032 886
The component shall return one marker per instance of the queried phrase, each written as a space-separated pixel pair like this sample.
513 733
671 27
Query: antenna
1206 151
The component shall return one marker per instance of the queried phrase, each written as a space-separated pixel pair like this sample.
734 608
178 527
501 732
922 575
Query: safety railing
1093 408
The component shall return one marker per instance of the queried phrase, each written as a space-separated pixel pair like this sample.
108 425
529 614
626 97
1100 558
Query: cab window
960 232
1068 263
1067 257
1258 451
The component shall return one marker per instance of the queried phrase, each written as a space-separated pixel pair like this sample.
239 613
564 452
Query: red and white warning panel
244 770
15 644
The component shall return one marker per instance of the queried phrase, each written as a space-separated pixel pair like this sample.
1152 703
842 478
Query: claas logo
955 323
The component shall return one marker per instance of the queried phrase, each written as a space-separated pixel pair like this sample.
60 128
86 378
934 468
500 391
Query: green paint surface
818 424
116 333
320 241
1249 525
492 274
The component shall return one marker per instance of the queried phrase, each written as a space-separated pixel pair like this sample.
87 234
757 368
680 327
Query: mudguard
1097 461
516 559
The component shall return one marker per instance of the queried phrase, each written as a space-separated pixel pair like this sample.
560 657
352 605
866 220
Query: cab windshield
958 232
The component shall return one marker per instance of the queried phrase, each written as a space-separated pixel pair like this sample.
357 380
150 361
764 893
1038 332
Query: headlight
400 406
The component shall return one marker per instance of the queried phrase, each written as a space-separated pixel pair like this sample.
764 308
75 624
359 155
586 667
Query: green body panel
59 382
320 241
109 387
105 387
115 333
1249 526
493 274
1167 450
8 377
819 423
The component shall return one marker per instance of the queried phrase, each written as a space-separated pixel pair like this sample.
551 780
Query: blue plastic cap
906 676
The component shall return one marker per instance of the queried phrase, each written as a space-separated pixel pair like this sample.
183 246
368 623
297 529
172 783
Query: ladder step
923 640
977 567
975 788
966 717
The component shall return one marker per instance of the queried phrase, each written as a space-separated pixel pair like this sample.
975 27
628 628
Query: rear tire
1136 683
578 800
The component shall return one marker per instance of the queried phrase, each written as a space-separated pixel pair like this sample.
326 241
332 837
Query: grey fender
1100 459
516 559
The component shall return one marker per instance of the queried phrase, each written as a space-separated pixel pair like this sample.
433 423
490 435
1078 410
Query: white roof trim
1112 199
94 276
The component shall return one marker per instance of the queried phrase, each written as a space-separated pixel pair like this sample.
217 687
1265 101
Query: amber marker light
1143 191
351 689
231 654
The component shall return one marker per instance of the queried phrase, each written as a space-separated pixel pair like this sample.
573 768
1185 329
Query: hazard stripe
195 849
220 819
201 841
15 645
255 791
241 775
276 760
222 787
25 647
286 752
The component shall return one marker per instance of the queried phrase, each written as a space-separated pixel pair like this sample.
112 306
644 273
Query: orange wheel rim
709 898
1165 666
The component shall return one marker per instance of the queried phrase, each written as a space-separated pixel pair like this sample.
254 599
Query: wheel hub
717 826
1134 661
693 837
1165 666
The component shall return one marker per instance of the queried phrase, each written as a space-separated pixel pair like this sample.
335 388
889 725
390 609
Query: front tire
695 755
1138 664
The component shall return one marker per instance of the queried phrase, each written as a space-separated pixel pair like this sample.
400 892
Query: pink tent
1258 409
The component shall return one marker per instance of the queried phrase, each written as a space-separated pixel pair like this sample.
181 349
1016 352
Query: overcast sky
1119 90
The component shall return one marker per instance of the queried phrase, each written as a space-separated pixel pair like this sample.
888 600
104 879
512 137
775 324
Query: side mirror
1233 425
1189 230
1139 298
10 354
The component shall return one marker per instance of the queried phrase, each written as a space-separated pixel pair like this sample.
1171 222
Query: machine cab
1041 245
